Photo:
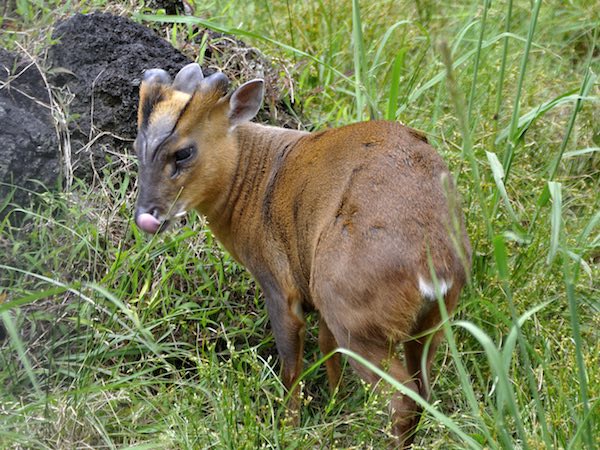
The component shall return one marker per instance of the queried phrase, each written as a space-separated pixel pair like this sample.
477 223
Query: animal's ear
152 90
188 78
246 101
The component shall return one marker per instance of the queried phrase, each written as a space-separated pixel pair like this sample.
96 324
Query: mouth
153 225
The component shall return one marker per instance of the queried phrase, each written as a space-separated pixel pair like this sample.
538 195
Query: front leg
284 305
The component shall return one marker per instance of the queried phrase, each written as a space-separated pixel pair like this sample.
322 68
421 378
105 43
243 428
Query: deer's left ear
246 101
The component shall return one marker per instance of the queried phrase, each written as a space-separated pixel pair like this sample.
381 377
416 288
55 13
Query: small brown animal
349 222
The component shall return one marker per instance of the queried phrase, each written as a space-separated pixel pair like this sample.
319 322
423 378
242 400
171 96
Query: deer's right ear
246 101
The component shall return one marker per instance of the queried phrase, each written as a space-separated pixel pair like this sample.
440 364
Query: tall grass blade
9 196
583 151
18 345
30 298
464 378
395 85
581 369
505 394
589 80
555 219
486 7
290 23
500 87
584 427
526 120
594 221
379 54
512 338
359 61
570 274
461 35
467 147
501 258
586 85
498 173
510 147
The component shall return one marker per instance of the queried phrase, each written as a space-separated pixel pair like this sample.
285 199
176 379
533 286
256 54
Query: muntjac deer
351 222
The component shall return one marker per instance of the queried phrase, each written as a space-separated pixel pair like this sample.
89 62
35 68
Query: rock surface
29 157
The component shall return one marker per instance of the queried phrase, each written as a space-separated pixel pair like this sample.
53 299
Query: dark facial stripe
149 100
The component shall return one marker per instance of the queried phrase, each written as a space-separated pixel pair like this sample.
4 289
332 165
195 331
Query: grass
120 341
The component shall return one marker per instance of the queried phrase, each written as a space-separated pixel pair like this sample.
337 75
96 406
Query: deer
359 223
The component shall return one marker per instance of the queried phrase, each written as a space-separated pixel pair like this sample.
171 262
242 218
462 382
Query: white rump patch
427 288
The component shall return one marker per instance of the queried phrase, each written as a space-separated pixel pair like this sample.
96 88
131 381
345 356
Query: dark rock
100 59
29 151
26 86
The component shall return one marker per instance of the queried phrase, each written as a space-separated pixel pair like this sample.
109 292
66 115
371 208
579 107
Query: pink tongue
148 223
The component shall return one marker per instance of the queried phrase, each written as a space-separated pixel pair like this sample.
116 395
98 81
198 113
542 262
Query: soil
28 143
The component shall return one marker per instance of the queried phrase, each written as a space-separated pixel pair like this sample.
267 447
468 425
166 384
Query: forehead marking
163 120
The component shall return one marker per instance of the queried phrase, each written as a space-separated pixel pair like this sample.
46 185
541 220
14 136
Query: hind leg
417 362
418 369
327 344
417 365
403 409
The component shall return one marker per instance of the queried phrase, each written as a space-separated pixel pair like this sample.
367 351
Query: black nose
153 211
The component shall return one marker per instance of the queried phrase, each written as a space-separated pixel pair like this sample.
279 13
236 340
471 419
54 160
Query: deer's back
371 193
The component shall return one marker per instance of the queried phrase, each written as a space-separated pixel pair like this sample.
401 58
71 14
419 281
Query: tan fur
175 101
343 221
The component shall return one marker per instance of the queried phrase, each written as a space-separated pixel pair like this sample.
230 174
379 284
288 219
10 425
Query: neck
236 213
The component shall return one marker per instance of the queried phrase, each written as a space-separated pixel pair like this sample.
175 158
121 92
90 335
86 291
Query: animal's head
185 145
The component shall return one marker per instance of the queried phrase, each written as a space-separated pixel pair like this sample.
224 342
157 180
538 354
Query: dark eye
184 154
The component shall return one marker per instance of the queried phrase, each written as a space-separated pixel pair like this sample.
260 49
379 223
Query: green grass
116 340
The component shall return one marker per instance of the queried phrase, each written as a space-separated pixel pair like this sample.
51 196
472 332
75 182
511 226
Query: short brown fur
344 221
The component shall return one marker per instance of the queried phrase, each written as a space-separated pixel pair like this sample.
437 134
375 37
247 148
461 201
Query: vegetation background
115 340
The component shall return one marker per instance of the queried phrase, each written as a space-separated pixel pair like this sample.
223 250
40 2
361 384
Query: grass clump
118 341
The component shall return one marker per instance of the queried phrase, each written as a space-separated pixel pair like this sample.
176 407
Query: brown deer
352 222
